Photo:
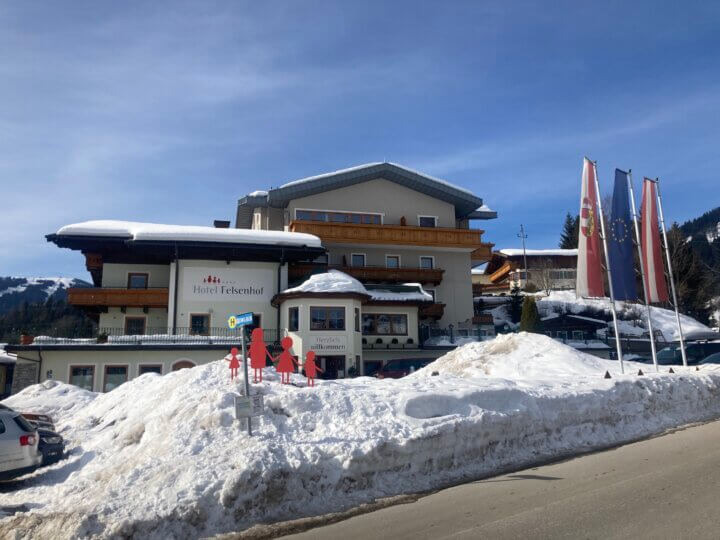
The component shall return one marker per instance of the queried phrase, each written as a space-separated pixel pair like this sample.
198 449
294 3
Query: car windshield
712 359
23 424
668 355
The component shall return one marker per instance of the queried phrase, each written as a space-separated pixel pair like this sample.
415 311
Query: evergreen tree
530 317
570 232
515 306
692 283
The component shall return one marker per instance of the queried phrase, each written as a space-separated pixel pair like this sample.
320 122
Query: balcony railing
432 311
97 297
408 235
373 273
158 336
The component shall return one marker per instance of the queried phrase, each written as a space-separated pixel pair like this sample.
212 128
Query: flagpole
642 271
609 273
670 273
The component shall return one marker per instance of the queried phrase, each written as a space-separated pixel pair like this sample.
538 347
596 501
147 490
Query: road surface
666 487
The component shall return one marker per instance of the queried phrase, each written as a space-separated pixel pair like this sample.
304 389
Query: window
427 221
562 334
199 324
357 319
338 217
427 263
150 368
134 326
577 335
114 377
384 324
293 319
137 280
392 261
327 318
357 259
82 376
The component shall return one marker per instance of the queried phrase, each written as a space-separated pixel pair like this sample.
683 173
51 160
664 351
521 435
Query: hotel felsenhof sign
227 284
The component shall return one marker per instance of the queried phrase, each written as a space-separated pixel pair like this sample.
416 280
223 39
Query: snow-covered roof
480 269
5 357
540 252
333 281
337 282
373 164
159 232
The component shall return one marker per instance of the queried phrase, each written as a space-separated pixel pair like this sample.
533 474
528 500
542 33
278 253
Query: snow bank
155 231
162 456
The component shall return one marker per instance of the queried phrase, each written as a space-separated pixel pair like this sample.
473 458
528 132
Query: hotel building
361 266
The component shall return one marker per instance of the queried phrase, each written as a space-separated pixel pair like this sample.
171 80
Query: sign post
241 321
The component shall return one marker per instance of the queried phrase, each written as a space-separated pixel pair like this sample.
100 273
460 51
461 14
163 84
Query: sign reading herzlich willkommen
227 284
327 344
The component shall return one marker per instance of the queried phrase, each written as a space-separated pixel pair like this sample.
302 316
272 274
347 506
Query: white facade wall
379 196
115 275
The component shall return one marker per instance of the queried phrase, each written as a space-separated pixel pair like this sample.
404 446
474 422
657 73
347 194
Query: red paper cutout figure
311 368
258 353
234 363
285 361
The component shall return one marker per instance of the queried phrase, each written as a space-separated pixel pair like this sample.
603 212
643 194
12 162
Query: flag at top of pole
620 241
589 264
656 289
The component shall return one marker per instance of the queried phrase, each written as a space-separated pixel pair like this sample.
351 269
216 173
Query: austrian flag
589 265
656 289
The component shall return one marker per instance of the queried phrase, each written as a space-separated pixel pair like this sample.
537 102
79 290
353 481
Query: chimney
221 224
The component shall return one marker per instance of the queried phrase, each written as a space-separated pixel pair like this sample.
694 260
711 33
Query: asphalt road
666 487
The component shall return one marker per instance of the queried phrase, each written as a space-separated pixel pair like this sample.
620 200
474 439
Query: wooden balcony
432 311
407 235
101 297
374 273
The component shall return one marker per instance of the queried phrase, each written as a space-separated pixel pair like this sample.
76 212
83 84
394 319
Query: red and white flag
656 289
589 264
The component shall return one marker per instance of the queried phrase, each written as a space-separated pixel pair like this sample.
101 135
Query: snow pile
159 232
163 456
333 281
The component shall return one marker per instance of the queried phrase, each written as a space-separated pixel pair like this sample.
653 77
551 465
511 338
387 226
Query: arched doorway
182 364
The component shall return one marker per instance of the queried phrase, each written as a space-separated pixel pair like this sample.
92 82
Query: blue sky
169 112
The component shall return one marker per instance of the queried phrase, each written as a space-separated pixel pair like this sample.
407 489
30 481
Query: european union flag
620 243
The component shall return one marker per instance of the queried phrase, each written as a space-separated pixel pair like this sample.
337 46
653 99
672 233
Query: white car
18 444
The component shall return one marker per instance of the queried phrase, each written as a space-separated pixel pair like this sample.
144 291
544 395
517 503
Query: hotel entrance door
334 366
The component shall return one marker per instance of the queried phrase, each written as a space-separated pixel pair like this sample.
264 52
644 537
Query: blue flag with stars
620 241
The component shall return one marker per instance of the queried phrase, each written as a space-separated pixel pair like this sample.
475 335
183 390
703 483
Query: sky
170 111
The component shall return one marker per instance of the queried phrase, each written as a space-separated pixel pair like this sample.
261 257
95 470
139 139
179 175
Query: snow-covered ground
163 456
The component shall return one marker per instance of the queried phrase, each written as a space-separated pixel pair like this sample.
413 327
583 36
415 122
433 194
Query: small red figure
234 363
258 353
285 362
310 368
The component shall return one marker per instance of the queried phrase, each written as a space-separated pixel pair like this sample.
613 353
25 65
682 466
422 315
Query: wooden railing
354 233
374 273
118 297
434 311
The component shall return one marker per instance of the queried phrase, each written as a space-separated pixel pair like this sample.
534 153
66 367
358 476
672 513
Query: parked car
712 359
40 421
395 369
19 443
695 352
52 446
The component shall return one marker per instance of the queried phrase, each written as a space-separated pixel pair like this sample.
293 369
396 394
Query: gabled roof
466 204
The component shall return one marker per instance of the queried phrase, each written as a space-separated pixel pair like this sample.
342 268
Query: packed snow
159 232
163 456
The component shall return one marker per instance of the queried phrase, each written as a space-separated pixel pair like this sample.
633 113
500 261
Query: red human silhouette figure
311 368
258 353
234 363
285 361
